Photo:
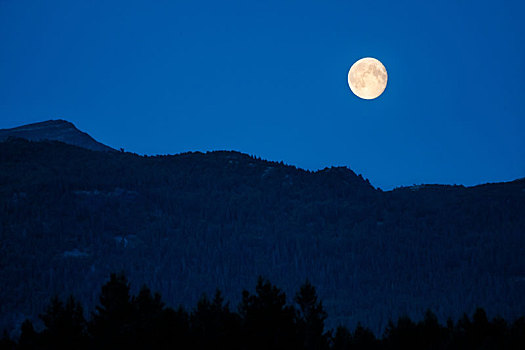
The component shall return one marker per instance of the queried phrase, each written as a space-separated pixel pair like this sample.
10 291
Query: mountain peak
54 130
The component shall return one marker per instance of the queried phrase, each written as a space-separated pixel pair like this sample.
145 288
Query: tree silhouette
147 316
113 321
264 321
174 330
311 318
433 335
402 335
214 325
29 339
65 325
363 338
342 339
268 323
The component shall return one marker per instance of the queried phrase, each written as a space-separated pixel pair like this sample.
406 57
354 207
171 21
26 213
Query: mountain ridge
55 130
194 222
65 131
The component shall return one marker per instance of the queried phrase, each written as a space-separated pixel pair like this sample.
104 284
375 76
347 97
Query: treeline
263 320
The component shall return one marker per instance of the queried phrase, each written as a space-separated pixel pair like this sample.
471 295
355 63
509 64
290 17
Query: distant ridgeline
55 130
194 222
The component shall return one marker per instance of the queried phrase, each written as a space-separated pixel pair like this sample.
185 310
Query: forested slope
193 222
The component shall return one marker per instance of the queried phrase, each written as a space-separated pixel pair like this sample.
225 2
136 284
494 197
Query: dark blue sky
269 78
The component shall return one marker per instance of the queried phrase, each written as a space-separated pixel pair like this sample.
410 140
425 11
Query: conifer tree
268 323
65 325
311 318
113 319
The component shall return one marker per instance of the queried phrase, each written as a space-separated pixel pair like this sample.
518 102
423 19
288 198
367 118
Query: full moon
367 78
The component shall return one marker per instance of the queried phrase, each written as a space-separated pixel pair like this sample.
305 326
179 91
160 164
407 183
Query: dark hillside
193 222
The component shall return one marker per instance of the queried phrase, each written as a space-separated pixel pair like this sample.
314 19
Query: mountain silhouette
54 130
193 222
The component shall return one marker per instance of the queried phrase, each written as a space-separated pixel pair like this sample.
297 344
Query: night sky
269 78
